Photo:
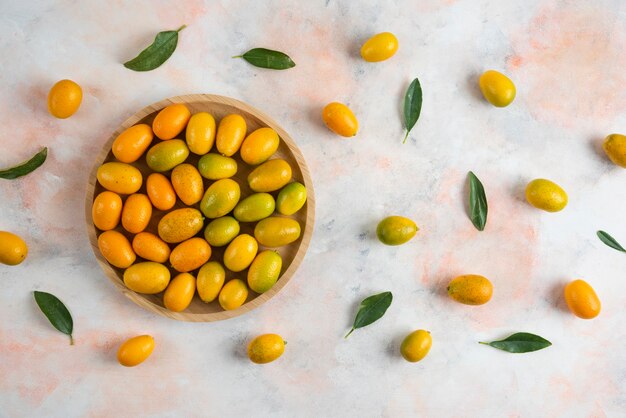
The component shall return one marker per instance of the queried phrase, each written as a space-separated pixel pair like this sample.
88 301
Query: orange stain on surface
515 61
314 57
451 183
506 252
34 386
174 16
571 59
383 163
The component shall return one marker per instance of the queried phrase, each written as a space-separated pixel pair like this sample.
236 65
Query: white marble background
567 60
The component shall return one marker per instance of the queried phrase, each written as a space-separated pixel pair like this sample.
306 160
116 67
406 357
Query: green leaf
267 58
477 202
56 312
610 241
156 54
521 342
412 106
26 167
371 310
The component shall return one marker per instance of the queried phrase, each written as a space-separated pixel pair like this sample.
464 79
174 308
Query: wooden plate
292 254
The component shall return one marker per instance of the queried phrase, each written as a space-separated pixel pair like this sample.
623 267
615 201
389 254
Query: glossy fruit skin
497 88
179 292
150 247
275 231
215 167
180 225
546 195
259 146
255 207
136 213
396 230
135 350
200 133
106 210
114 246
270 176
264 271
166 155
340 119
187 183
615 148
380 47
160 191
210 280
120 178
582 300
13 249
266 348
171 121
291 198
147 277
130 145
240 253
190 254
233 294
230 134
220 198
221 231
416 345
470 289
64 99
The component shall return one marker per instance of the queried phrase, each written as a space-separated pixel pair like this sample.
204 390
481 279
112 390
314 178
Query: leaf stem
181 28
348 334
71 340
482 342
406 136
237 56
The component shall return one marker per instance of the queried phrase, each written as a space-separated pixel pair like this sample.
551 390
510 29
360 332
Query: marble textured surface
567 60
